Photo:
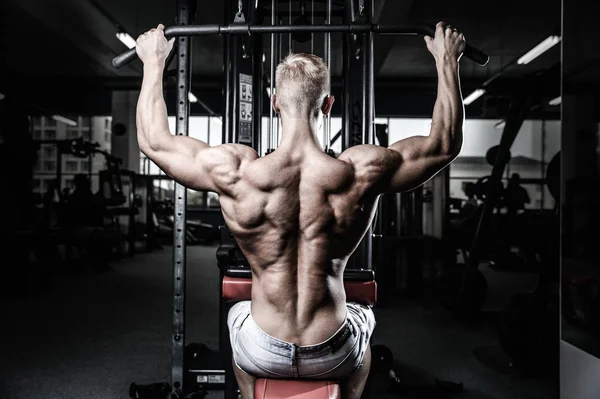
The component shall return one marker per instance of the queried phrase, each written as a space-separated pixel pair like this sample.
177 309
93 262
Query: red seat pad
240 289
288 389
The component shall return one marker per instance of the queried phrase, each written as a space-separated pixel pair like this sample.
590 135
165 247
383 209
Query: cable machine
243 105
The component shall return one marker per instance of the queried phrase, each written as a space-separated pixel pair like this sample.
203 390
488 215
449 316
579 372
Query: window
72 134
49 152
37 134
37 167
49 166
86 134
85 165
71 166
49 122
50 135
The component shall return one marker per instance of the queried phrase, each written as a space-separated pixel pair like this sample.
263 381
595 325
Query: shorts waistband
338 339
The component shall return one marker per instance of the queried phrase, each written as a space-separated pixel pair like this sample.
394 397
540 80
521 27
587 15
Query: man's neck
298 132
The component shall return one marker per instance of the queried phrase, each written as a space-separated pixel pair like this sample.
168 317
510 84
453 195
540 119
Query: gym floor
91 335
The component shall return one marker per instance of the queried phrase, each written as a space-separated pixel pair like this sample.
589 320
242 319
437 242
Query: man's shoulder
240 151
369 157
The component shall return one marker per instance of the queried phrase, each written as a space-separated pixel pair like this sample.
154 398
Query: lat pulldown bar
244 29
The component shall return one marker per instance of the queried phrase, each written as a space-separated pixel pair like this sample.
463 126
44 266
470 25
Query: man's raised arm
190 162
417 159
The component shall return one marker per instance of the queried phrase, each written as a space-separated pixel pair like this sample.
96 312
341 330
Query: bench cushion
288 389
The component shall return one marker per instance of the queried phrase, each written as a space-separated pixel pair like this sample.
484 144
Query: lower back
302 308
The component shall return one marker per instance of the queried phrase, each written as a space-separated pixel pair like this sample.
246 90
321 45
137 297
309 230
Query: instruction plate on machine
245 135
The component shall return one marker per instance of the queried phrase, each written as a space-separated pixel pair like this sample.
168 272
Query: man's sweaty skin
297 213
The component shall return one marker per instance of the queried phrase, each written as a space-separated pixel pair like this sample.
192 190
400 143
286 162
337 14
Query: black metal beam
245 30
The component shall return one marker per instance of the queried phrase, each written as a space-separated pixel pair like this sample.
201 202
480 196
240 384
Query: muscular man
298 214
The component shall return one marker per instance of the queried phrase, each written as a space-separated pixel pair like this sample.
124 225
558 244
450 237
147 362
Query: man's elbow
449 149
150 144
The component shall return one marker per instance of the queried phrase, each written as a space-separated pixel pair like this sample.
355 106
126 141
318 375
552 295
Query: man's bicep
418 162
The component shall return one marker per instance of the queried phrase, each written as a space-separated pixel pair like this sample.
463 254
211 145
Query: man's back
298 214
301 216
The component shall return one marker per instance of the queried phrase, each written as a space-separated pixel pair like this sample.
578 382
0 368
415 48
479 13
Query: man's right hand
152 47
447 45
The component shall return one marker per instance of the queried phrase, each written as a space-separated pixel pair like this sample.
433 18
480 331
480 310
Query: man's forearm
448 112
151 118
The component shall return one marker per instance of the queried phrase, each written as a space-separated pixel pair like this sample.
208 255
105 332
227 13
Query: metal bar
272 80
227 122
543 163
327 124
257 92
245 29
278 58
234 129
312 22
368 114
184 17
346 99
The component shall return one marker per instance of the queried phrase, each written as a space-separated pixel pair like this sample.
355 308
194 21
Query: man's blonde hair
302 84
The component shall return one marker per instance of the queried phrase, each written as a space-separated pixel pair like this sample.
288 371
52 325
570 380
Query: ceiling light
64 120
555 101
541 48
192 97
500 125
126 39
474 96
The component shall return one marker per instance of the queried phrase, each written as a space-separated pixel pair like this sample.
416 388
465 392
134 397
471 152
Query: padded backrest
240 289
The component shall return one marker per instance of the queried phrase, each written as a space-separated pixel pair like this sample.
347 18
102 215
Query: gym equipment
235 132
241 29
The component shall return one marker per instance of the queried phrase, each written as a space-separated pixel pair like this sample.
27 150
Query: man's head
302 87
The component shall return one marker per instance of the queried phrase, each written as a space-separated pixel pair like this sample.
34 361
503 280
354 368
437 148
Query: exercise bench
360 287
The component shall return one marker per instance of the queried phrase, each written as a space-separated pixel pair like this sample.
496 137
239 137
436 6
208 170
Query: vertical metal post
184 17
227 101
543 164
270 145
327 124
368 112
257 84
59 154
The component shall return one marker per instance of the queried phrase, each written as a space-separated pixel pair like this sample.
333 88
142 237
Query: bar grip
125 58
243 29
475 55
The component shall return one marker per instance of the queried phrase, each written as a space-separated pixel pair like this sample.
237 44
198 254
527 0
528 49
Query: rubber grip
124 59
